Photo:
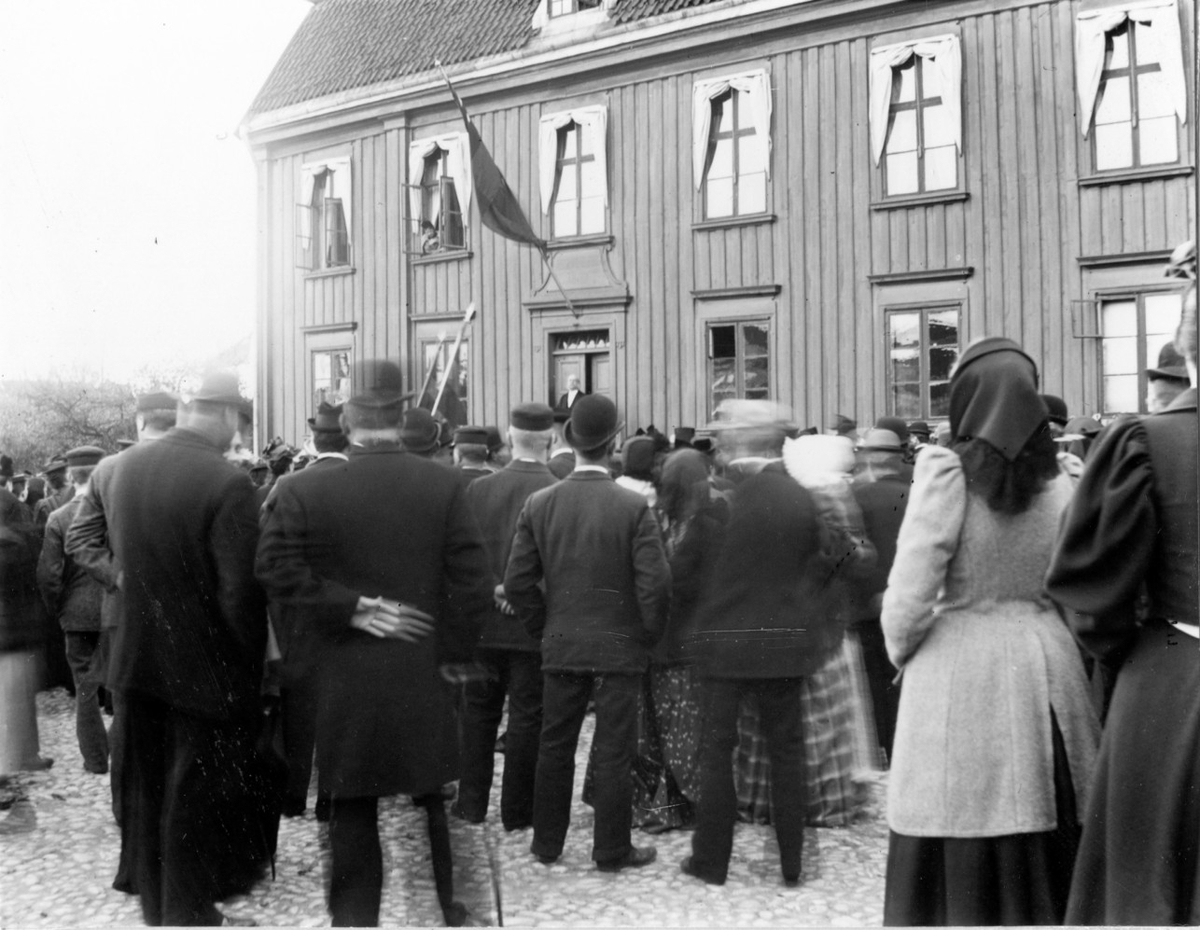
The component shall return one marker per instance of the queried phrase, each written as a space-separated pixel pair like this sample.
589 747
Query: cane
495 873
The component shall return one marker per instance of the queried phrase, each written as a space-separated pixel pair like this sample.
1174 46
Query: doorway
586 355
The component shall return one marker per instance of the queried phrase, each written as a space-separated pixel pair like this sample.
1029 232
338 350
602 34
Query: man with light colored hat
73 598
588 576
187 655
382 567
510 655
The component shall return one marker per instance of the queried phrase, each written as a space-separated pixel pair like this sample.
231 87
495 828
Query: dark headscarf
994 396
683 485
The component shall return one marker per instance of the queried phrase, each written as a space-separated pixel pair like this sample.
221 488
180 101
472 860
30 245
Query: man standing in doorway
574 392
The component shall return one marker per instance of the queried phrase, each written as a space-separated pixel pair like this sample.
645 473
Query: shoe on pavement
37 764
688 867
635 858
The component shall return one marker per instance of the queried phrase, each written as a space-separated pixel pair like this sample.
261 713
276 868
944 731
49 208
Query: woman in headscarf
996 736
1132 527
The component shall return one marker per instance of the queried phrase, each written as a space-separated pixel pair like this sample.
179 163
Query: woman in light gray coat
996 736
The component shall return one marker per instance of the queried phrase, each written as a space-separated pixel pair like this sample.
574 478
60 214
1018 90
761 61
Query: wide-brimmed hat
740 413
56 463
327 420
880 440
1170 365
420 431
592 424
896 425
217 387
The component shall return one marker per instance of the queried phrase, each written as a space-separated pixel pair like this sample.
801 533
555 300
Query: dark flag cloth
498 206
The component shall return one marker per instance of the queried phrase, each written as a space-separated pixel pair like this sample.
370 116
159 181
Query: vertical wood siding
1024 225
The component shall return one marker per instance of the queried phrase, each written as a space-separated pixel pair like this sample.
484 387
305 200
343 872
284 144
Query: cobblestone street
59 873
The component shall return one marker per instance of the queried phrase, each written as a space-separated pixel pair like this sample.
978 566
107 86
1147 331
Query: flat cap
156 400
84 455
532 417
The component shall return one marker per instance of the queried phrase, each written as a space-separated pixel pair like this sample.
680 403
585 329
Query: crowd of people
1002 611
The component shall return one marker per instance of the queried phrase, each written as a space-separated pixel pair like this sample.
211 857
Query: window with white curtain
573 171
731 144
323 216
439 189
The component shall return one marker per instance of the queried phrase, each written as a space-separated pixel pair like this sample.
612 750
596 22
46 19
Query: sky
127 226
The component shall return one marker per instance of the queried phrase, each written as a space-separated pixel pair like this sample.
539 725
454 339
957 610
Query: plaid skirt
837 740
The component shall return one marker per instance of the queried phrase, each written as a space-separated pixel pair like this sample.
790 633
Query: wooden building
815 201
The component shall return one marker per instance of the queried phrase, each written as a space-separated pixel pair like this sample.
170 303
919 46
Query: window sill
1139 174
753 219
442 255
921 200
330 272
579 242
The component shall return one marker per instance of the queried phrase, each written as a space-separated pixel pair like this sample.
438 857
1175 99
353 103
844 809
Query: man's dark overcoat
382 524
70 594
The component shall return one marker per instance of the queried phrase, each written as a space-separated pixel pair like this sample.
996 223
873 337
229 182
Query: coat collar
530 467
376 448
588 476
1184 401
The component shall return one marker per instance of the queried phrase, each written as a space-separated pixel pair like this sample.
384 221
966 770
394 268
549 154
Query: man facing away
597 549
381 565
506 651
187 659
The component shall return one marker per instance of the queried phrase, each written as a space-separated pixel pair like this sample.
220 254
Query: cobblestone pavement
59 873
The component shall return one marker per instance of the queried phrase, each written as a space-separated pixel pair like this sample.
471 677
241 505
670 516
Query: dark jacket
86 541
883 503
182 529
767 610
382 524
561 465
692 563
70 594
599 551
496 500
21 618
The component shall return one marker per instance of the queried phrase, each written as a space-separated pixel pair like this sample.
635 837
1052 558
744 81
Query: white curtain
1157 33
592 122
458 167
310 175
338 184
941 52
755 88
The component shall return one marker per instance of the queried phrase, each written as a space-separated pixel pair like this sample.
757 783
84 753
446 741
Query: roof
346 44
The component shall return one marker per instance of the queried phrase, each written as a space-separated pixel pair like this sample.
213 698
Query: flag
498 206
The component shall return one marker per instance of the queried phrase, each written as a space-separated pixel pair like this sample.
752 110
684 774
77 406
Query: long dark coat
70 594
392 525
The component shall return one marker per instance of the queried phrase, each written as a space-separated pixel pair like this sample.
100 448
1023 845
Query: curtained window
439 192
731 145
323 215
739 361
916 115
573 171
923 346
1129 72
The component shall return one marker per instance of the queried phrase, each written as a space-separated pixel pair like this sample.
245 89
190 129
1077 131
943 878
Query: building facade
819 202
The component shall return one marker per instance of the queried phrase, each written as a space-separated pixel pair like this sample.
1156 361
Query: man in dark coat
471 452
187 658
597 549
510 655
73 598
58 490
572 394
383 566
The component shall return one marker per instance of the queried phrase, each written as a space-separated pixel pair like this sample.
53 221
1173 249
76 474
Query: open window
573 171
439 194
330 376
731 144
323 216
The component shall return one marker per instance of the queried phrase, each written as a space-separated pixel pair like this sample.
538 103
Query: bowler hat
896 425
327 420
470 436
156 400
533 417
920 428
593 423
420 431
378 383
84 455
1056 409
218 387
1170 365
880 440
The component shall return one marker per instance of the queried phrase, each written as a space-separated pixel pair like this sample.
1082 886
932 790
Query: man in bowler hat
383 567
589 578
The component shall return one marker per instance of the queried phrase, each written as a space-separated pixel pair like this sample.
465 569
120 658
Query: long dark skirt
1020 879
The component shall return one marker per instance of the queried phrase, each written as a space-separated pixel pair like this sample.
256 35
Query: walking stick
495 873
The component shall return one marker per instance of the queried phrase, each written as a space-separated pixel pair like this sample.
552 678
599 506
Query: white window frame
592 120
334 178
456 151
755 88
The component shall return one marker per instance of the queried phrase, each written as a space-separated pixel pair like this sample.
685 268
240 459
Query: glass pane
721 165
937 126
758 378
1114 146
1120 355
566 183
752 194
756 341
1118 318
591 218
589 177
941 362
722 342
904 83
943 328
1152 96
584 141
902 173
906 365
565 219
1154 345
903 135
570 138
906 400
749 155
1117 49
322 369
941 168
1162 313
1157 140
723 114
1121 394
939 399
1113 103
931 79
1144 48
719 197
724 376
905 329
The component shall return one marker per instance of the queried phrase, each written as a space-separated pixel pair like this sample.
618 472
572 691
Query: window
435 355
1133 329
739 361
441 216
567 7
330 377
1132 89
735 179
923 345
1134 123
916 115
731 144
573 171
323 220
